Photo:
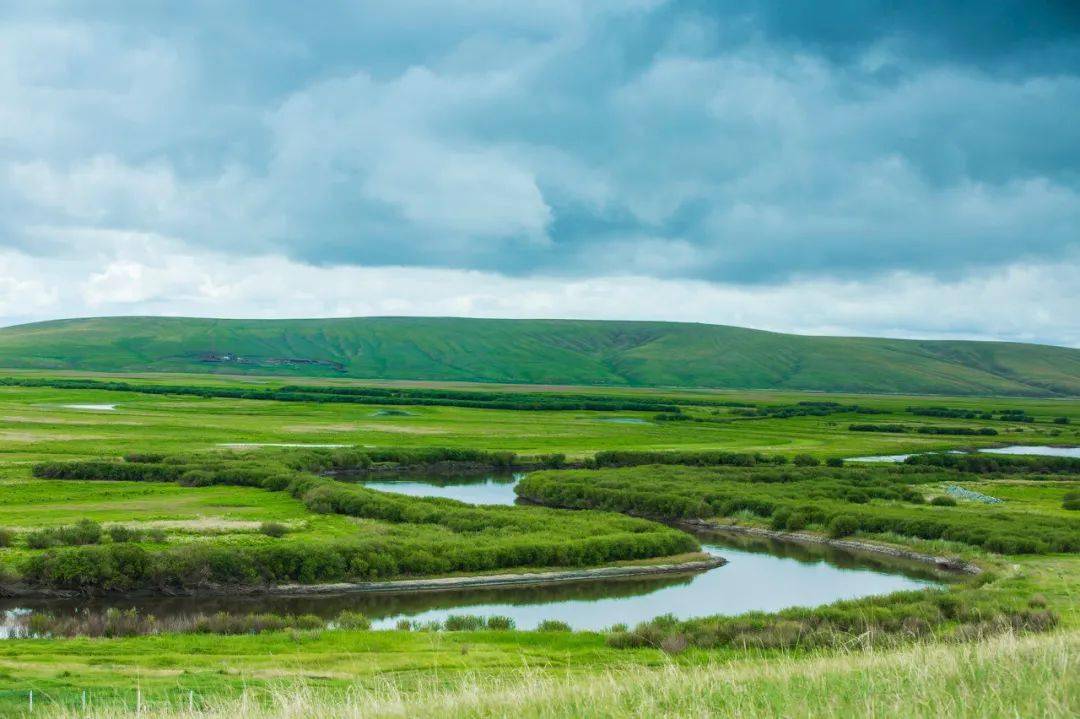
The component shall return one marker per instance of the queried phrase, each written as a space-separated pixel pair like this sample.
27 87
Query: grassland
543 352
1009 671
36 424
1002 677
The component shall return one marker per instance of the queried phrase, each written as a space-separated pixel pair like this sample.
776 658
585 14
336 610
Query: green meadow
615 353
1001 644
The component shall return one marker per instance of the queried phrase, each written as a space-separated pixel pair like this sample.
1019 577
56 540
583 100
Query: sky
855 167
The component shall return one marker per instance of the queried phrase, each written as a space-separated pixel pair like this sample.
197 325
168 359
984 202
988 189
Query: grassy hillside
542 352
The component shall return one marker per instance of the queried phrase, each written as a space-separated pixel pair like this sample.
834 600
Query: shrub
6 537
85 531
119 533
500 623
41 539
273 529
553 625
553 461
156 534
463 623
353 620
942 501
780 518
805 460
843 525
1071 501
1061 420
674 644
797 521
835 461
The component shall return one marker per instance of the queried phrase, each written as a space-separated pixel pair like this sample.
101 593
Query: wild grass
1007 676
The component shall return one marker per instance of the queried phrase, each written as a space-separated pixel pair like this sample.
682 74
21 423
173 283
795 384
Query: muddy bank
949 564
397 586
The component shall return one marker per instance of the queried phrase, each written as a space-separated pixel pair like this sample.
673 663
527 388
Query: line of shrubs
633 458
997 464
924 429
84 532
497 400
840 507
957 615
114 622
376 396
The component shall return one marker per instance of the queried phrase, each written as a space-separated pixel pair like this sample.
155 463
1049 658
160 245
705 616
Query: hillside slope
543 352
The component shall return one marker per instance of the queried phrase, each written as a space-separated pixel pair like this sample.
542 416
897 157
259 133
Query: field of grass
1017 669
35 424
543 352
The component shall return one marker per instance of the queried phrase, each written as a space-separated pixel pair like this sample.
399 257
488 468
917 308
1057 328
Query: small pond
1041 451
484 488
1018 449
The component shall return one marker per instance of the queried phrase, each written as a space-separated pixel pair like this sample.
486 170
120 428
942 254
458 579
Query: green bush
41 539
500 623
470 538
805 460
1071 501
553 625
353 620
463 623
943 501
883 500
120 533
6 537
843 525
273 529
874 621
85 531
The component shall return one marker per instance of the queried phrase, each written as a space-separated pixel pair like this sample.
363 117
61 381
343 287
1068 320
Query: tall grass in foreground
1007 676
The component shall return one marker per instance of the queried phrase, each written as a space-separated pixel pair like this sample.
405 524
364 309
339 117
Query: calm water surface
487 488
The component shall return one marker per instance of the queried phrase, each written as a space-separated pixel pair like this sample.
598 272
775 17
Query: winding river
761 574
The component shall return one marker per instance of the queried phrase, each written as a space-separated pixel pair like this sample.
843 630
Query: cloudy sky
850 167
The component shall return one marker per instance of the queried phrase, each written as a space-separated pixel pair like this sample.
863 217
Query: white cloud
137 274
223 161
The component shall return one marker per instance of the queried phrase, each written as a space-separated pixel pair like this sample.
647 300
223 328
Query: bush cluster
837 501
432 536
633 458
872 621
997 464
375 395
923 429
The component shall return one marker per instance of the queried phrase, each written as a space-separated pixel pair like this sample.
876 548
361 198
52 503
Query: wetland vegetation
144 497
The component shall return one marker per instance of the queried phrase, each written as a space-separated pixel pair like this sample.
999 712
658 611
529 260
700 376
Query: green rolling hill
542 352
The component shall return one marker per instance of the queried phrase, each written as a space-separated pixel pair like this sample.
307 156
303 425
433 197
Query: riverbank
436 584
948 564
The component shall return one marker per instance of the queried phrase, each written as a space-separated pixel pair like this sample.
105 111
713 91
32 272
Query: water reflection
484 488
